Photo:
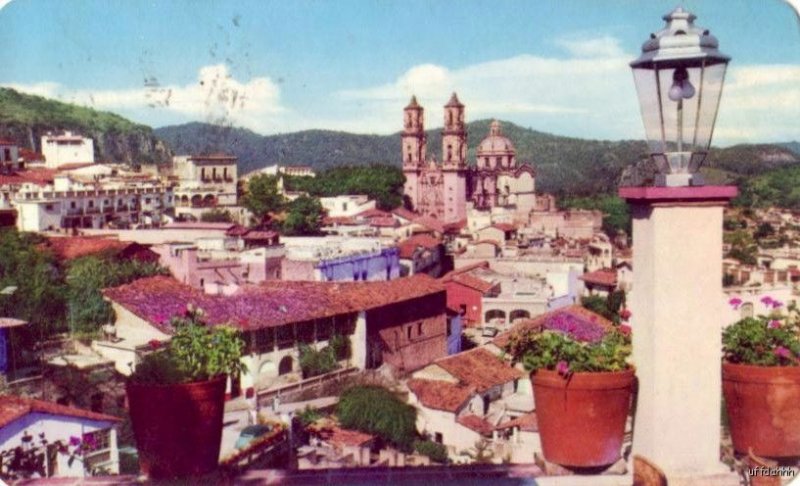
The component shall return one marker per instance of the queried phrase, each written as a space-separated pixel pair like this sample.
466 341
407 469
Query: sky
559 66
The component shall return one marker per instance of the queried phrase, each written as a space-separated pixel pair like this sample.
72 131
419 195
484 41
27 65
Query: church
447 190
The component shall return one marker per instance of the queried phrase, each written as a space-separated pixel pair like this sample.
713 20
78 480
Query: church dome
495 143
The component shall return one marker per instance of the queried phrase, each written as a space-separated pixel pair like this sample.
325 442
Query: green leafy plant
376 410
316 362
309 415
437 452
771 339
558 351
196 352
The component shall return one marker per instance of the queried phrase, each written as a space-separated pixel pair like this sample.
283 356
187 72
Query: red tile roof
538 323
476 423
605 276
373 213
269 304
479 368
409 245
4 141
340 220
527 422
13 407
388 222
439 394
259 235
430 223
346 437
405 213
505 227
472 282
41 177
71 247
468 268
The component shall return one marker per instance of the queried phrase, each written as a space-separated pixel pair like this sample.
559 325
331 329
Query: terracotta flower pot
178 428
763 404
582 420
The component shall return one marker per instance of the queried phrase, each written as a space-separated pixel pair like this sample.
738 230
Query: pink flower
74 441
767 301
625 329
154 344
625 314
774 324
776 304
782 352
735 302
562 367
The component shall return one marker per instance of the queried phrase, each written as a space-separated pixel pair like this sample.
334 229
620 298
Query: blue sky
281 66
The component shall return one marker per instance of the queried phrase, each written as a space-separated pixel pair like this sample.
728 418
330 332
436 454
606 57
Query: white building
64 148
23 417
346 205
204 182
68 201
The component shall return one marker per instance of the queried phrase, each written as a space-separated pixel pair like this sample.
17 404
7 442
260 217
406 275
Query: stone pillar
677 309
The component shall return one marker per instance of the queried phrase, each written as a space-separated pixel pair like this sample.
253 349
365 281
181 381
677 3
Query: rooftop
479 368
409 245
13 407
605 276
539 323
272 303
439 394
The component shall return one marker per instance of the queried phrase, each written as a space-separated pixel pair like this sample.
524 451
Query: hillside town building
66 148
204 182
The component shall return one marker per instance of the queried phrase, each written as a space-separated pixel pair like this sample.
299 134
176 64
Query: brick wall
409 334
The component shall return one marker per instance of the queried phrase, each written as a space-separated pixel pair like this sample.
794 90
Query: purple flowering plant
769 339
569 344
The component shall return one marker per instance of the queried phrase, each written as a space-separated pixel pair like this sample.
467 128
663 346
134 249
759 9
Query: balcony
92 210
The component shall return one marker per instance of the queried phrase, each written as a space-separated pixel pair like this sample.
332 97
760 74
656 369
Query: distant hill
793 146
564 165
25 118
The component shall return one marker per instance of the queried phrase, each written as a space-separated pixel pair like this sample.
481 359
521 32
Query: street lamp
679 79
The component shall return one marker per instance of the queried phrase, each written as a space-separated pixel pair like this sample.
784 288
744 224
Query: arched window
747 310
285 366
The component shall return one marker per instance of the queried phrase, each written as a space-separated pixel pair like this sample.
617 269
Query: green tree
376 410
263 198
217 215
383 183
39 297
86 277
303 217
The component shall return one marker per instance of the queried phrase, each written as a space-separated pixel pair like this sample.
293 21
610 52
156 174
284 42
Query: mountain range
564 165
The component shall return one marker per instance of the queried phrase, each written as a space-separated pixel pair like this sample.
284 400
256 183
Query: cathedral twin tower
441 190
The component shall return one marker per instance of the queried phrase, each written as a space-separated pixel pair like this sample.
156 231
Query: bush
309 415
314 363
437 452
376 410
341 346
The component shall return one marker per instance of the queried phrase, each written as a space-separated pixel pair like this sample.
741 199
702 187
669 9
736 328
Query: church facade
442 190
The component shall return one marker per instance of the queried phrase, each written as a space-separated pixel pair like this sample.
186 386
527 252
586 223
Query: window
419 329
48 207
408 332
437 437
91 203
7 154
72 204
344 206
147 200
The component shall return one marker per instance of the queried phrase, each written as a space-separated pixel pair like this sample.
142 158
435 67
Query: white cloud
605 46
540 91
215 97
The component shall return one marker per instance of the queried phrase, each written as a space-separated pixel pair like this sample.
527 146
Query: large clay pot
582 419
763 404
178 428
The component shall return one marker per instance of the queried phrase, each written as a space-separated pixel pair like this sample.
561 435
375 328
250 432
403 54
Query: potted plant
761 381
176 398
582 388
